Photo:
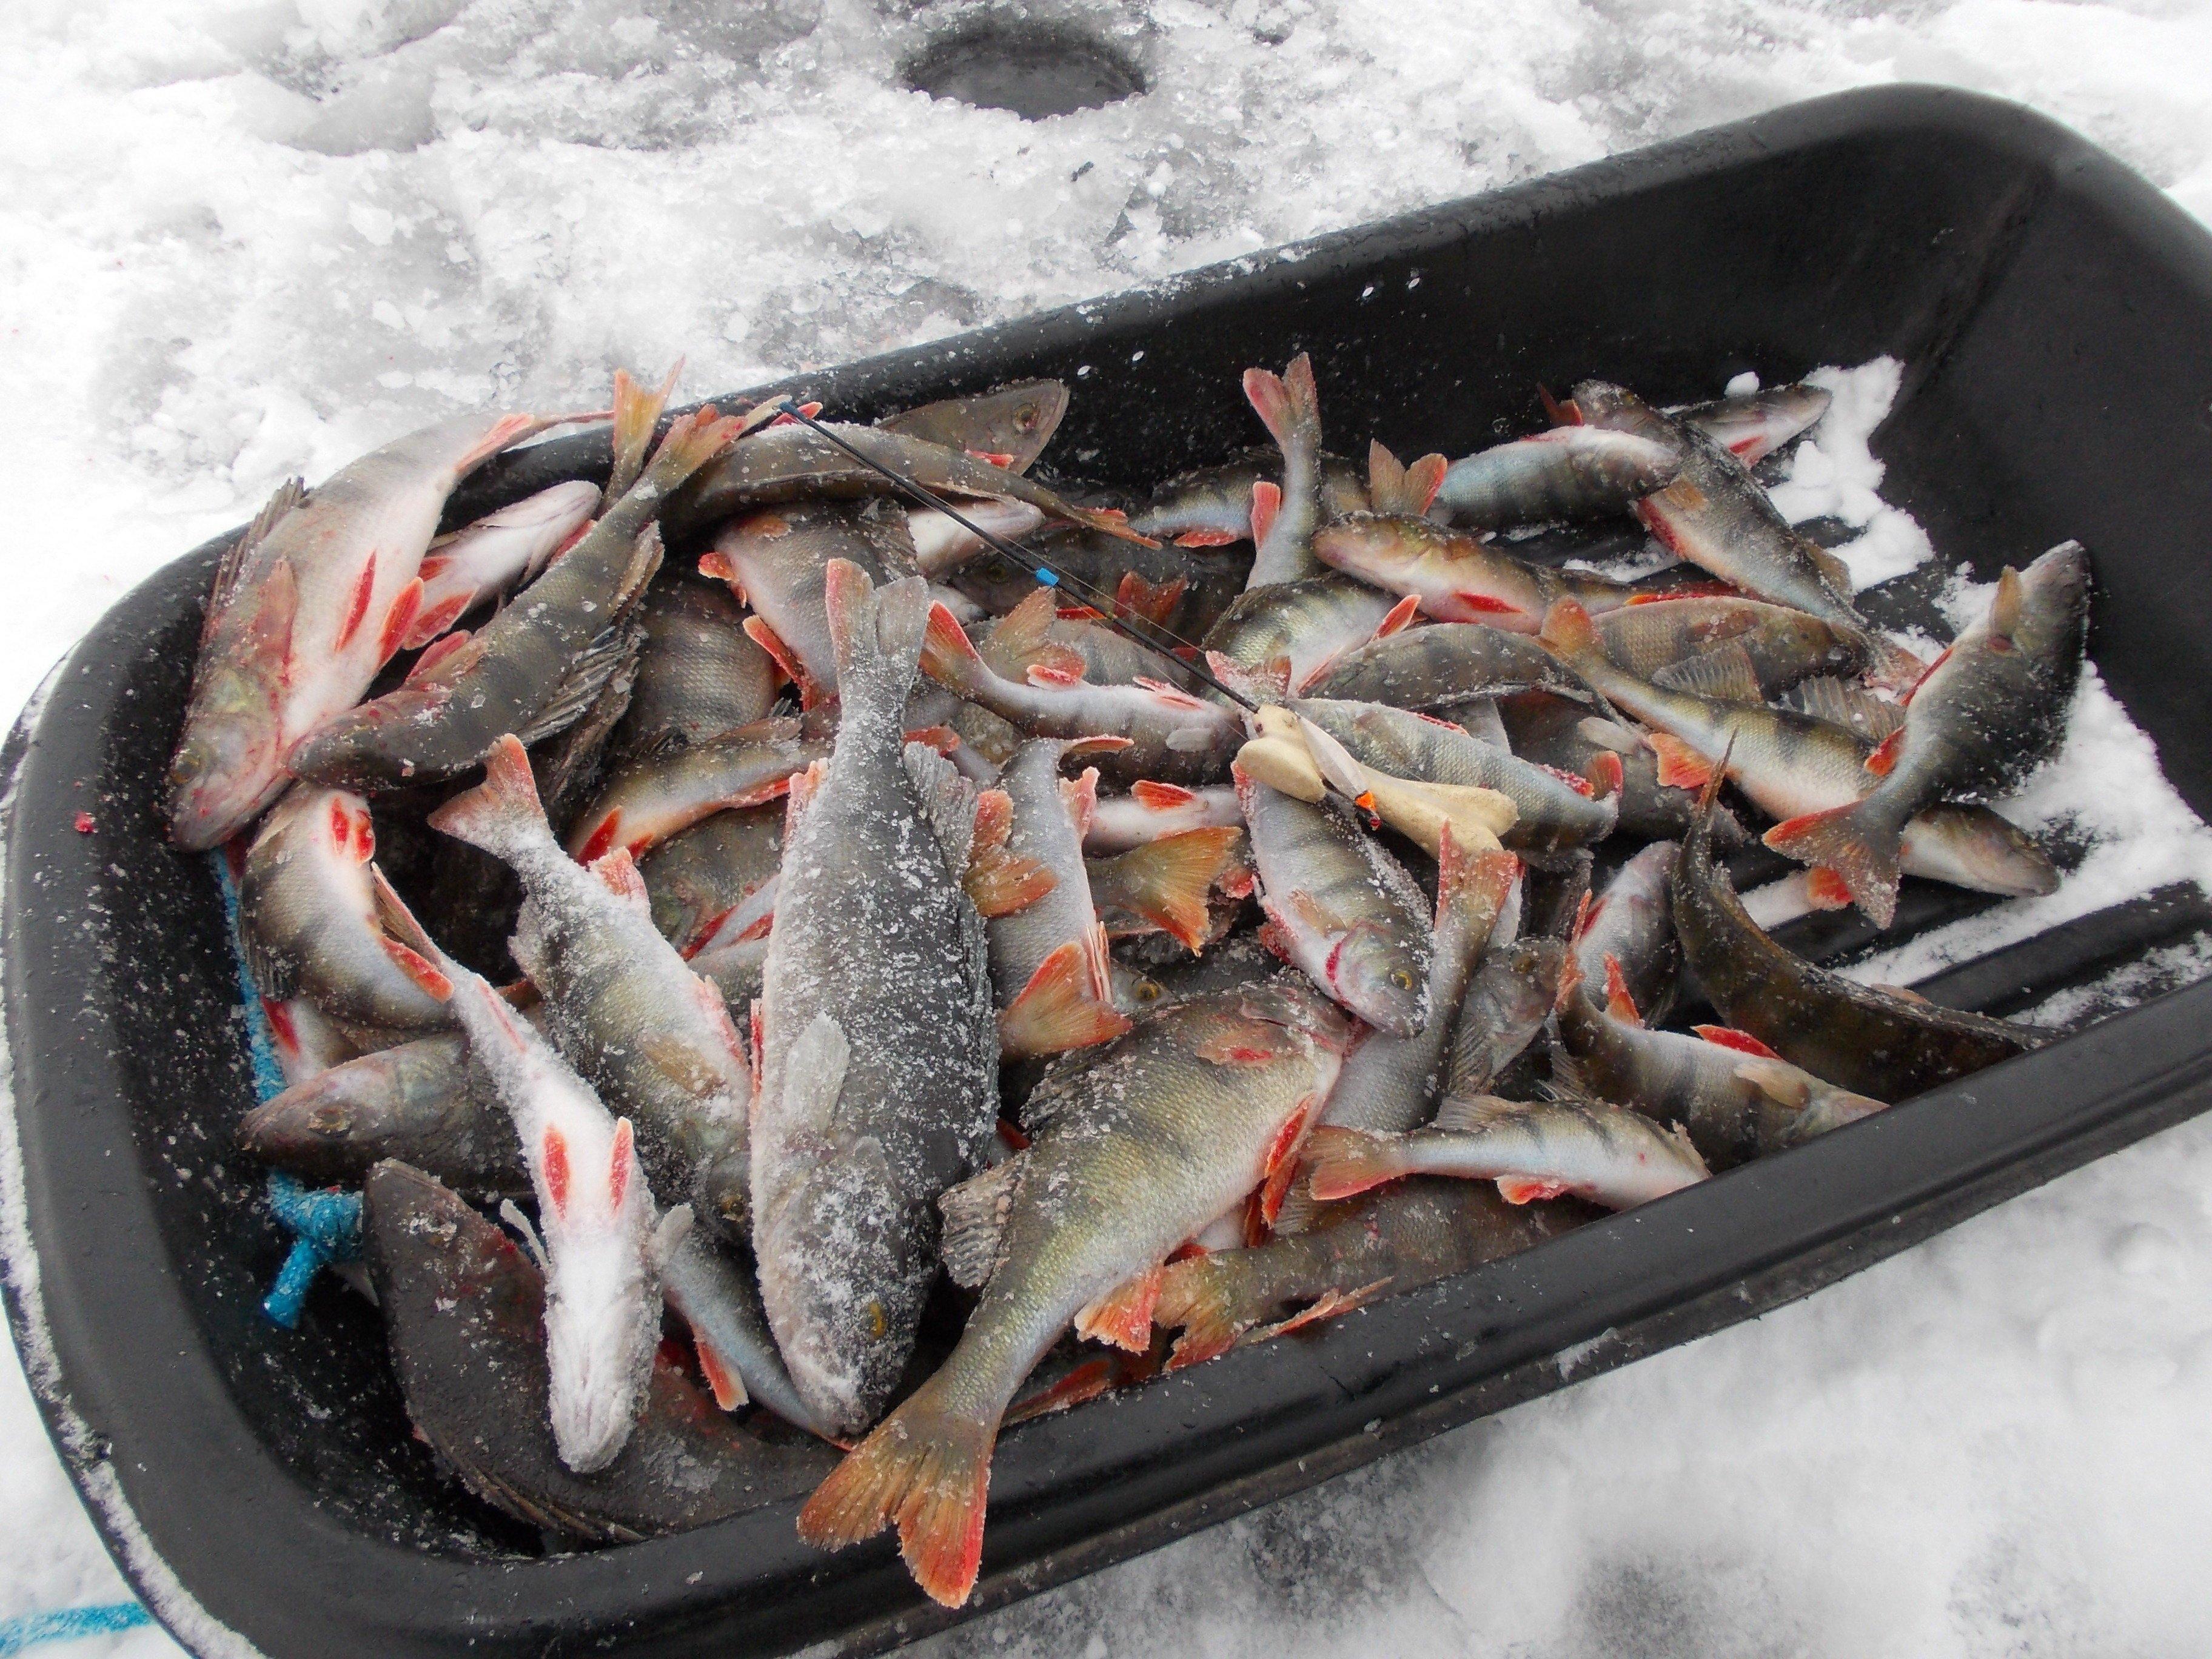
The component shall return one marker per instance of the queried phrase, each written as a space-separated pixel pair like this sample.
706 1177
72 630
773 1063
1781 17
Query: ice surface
244 238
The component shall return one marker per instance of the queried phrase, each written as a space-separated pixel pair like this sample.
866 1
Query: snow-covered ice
241 239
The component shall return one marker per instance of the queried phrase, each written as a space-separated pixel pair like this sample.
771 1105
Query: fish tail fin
1167 881
1860 842
1196 1298
1068 1004
1346 1162
502 815
637 411
877 634
1471 884
949 657
1288 404
928 1471
1567 632
692 441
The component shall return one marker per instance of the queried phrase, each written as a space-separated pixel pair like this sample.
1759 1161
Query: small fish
1991 710
1625 941
1454 575
310 601
1736 1098
1579 1149
595 1213
1794 765
1167 883
1715 516
500 550
1425 668
1134 1153
1212 506
701 674
713 1290
1008 426
1753 425
1554 731
1339 906
794 463
1570 472
465 1309
1555 812
1151 810
1174 737
1390 1083
1280 636
1724 646
774 559
1285 515
1048 956
419 1101
652 1035
1506 1004
876 1028
535 667
1856 1036
308 918
1383 1243
696 879
647 801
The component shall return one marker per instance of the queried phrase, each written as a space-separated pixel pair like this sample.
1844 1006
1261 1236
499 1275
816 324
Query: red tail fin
1862 846
1068 1004
502 813
1167 881
925 1469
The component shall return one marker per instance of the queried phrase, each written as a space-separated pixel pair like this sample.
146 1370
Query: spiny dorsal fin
1725 672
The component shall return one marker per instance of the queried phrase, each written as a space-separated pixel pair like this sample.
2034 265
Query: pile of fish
871 945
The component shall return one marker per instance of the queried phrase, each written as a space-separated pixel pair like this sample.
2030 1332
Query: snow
241 239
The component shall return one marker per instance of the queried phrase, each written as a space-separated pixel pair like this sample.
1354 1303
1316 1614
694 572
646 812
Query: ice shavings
1834 474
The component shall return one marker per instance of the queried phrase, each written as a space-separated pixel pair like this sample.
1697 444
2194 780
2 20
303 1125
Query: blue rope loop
326 1225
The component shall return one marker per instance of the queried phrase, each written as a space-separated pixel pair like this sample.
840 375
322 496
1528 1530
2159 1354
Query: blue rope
28 1630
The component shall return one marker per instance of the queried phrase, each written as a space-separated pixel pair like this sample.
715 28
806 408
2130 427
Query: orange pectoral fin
1518 1189
1123 1316
1680 767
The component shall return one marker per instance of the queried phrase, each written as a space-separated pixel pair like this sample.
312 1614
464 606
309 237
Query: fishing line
1042 573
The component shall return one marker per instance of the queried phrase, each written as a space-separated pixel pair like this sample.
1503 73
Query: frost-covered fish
1734 1096
622 1008
701 674
646 801
309 920
1425 668
1506 1004
1991 711
535 667
1281 636
1793 764
1339 906
500 550
1381 1244
775 561
877 1037
1531 1150
1212 507
1153 809
1049 957
1556 812
310 601
696 879
1725 646
1627 925
596 1216
1570 472
466 1310
787 464
419 1101
1134 1153
1858 1037
1755 424
1716 516
1455 576
1174 737
1008 426
1285 515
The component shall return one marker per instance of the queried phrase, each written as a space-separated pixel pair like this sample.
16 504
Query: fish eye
1401 979
1148 990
